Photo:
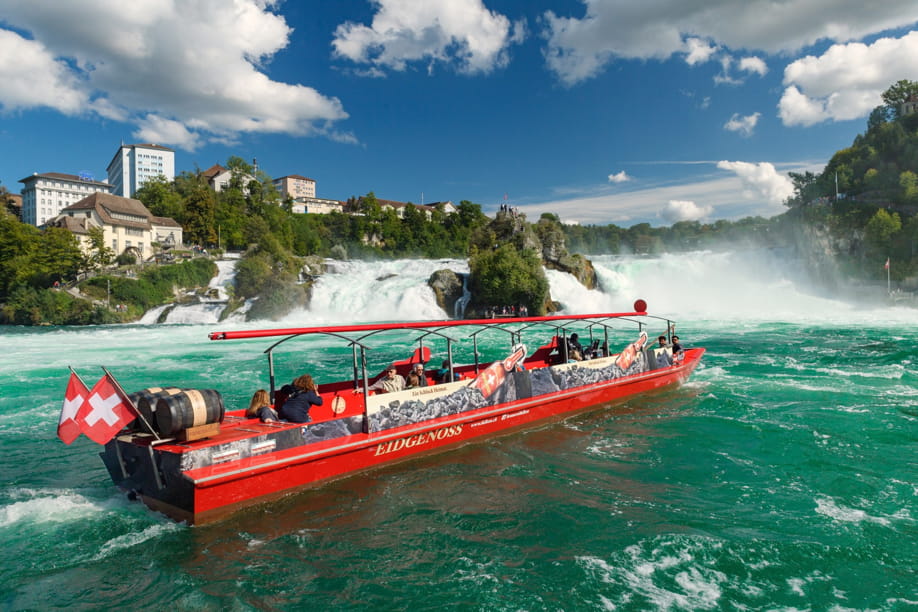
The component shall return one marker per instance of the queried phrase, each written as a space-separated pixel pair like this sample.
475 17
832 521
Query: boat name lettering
511 415
485 422
418 439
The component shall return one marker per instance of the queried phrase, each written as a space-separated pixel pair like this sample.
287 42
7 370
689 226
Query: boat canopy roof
369 327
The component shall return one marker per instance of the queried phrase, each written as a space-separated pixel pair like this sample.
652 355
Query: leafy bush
30 306
508 276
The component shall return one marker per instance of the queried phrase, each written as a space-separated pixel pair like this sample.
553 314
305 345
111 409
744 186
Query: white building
126 224
219 178
295 186
316 206
135 164
45 195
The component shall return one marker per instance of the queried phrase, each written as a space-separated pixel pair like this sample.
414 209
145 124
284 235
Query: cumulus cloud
847 81
743 125
620 177
460 32
580 47
698 51
37 78
684 210
753 64
760 180
188 72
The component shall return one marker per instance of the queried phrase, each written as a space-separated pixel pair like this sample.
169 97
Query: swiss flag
105 412
68 429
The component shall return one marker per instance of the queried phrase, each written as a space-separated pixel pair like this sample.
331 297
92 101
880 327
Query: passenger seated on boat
678 351
412 381
390 382
574 348
305 394
593 351
260 407
444 374
418 370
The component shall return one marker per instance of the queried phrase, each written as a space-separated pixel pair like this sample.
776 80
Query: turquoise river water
783 476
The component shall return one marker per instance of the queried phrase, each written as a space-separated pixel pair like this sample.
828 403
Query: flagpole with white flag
888 286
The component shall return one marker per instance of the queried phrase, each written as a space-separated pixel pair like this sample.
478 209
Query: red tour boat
190 459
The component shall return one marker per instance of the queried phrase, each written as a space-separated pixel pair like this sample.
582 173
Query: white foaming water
733 285
208 310
46 506
353 291
129 540
226 274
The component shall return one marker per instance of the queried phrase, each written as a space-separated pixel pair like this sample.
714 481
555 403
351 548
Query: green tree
806 188
897 94
508 276
100 255
158 194
908 181
881 228
57 258
200 205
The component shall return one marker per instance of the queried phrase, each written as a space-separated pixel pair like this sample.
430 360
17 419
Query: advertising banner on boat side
504 382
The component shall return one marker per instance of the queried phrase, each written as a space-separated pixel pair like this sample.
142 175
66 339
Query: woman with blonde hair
260 407
305 395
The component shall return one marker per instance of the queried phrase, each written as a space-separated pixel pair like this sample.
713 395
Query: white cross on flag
68 429
105 412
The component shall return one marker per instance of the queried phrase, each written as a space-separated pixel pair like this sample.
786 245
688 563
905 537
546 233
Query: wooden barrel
189 408
145 401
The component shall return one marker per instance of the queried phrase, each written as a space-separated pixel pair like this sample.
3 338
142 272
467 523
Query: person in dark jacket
304 395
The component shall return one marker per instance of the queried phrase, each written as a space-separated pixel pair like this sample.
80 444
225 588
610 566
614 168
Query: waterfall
390 290
742 284
205 309
461 304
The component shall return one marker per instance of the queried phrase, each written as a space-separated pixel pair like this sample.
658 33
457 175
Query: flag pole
131 403
888 286
74 372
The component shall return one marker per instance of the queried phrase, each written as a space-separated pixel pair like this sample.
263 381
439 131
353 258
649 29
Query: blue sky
601 111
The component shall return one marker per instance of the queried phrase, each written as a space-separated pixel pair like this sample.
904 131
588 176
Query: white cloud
748 189
744 125
684 210
760 181
620 177
36 78
754 64
460 32
157 129
580 47
189 71
847 81
698 51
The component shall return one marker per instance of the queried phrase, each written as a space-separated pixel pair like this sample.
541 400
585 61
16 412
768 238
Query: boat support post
271 372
